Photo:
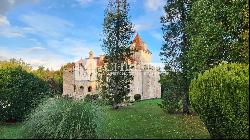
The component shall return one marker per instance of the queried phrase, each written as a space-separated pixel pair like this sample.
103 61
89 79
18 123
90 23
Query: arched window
89 89
81 89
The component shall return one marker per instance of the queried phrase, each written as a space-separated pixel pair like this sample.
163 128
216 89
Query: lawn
10 131
143 119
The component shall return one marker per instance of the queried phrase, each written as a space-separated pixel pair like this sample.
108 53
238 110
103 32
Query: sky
51 33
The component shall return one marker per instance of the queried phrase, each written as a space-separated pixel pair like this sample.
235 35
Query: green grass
143 119
10 131
146 119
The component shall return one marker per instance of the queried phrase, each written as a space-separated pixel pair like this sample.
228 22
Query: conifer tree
117 33
175 47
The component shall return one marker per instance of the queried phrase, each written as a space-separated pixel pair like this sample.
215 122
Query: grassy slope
144 119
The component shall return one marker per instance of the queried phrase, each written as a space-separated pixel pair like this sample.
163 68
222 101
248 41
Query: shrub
137 97
20 92
58 118
221 98
171 92
91 98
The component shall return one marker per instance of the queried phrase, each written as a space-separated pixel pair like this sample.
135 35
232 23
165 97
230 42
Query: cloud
84 2
53 53
47 25
46 58
35 49
142 27
4 21
153 5
37 24
6 5
11 32
157 36
76 48
145 22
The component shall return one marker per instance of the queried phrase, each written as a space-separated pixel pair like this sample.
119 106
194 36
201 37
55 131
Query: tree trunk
115 106
186 96
185 103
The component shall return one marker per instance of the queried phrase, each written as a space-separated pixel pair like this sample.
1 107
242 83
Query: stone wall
68 81
146 83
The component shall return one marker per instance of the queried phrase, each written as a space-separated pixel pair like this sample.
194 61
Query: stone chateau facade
80 78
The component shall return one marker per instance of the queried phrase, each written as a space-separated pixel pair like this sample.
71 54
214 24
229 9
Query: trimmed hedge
59 118
20 92
137 97
221 98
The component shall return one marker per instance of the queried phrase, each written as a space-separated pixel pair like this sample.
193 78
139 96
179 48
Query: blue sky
54 32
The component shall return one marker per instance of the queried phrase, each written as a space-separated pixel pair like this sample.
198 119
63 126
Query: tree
175 47
218 31
15 63
20 92
53 78
117 31
171 92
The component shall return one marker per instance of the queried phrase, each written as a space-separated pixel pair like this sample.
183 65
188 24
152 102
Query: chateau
80 78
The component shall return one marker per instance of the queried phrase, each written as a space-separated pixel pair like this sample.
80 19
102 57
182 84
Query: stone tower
68 79
142 54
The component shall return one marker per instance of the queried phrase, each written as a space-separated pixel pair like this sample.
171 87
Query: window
74 88
89 89
81 89
91 76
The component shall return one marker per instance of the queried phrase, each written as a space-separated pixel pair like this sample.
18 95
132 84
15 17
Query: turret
91 54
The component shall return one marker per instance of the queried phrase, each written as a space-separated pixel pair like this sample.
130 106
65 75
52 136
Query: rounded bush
221 98
20 92
59 118
137 97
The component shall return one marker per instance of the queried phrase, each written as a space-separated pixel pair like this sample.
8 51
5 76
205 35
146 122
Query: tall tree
218 31
175 46
117 31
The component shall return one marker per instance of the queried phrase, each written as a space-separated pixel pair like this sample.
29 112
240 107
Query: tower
91 54
142 53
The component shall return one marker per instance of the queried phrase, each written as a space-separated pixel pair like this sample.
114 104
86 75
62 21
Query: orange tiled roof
138 42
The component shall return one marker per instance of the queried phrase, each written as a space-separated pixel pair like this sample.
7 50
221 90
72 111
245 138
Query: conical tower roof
139 44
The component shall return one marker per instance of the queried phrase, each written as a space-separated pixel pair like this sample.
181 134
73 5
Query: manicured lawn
144 119
10 131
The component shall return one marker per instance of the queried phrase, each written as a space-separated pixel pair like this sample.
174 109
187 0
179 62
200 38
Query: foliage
53 78
137 97
15 63
58 118
117 31
128 123
171 94
221 97
20 92
218 31
176 44
90 98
